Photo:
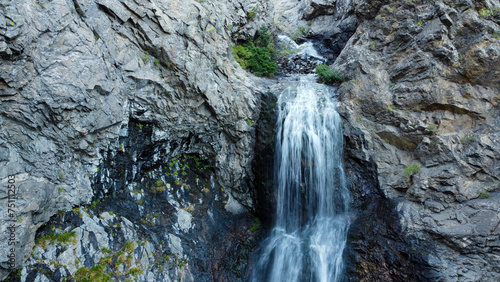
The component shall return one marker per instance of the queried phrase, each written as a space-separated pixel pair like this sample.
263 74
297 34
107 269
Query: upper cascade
297 58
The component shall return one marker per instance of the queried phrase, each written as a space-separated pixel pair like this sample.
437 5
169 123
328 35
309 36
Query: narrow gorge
141 141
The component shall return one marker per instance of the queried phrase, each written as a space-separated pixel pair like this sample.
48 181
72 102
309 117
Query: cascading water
312 198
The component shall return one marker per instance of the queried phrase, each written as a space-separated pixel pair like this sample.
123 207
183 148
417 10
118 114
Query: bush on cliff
328 76
259 56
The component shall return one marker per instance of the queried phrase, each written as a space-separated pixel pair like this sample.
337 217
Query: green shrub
468 139
257 224
483 194
129 247
135 271
93 274
299 34
328 76
432 128
145 57
412 169
63 238
259 56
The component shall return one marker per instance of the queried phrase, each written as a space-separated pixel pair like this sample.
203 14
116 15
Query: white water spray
310 235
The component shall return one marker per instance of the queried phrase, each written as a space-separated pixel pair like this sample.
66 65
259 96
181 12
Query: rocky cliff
129 131
421 102
138 108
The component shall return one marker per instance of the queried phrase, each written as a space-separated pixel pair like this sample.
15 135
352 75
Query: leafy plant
145 57
432 128
483 194
256 226
93 274
328 76
259 56
412 169
468 139
135 271
252 12
299 33
63 238
129 247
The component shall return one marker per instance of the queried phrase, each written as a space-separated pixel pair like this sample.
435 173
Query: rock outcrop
78 78
421 102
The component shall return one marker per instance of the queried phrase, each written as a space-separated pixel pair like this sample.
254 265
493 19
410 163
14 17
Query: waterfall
310 234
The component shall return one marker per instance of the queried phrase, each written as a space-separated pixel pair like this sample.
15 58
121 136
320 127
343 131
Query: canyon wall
141 150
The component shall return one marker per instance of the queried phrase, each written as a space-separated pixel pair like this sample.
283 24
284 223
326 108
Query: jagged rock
421 87
76 74
99 96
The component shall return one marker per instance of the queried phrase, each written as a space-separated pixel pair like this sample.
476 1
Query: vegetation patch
412 169
468 139
483 194
432 128
62 238
259 56
328 76
93 274
135 271
256 226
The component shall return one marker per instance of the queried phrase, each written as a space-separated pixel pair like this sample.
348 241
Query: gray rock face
422 91
329 23
75 73
128 127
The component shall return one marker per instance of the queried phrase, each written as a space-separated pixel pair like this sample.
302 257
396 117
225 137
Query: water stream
309 237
